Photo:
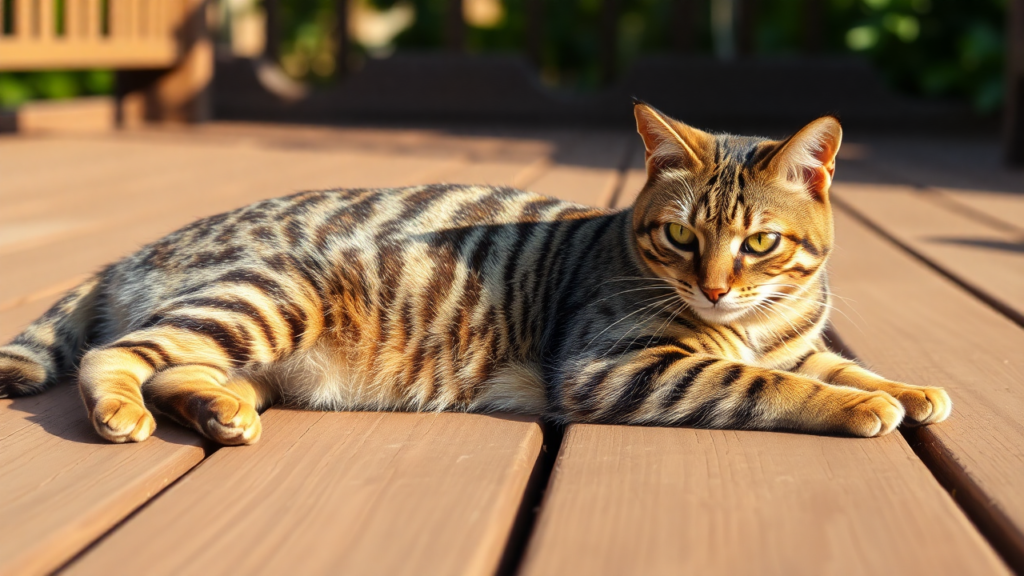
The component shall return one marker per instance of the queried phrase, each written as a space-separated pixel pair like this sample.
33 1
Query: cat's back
318 239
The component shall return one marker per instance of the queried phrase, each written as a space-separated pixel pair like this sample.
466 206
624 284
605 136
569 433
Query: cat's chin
720 314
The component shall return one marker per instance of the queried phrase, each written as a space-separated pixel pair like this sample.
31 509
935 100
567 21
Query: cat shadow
60 412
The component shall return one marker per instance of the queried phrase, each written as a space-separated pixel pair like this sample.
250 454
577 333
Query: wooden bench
375 493
161 49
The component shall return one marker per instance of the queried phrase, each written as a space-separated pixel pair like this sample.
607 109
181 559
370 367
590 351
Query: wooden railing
120 34
160 49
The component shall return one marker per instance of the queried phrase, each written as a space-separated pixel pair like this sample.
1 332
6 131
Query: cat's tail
50 346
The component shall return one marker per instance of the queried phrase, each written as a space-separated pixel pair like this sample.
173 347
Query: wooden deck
930 268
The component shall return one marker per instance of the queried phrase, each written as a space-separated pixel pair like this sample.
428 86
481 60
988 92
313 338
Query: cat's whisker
662 305
626 317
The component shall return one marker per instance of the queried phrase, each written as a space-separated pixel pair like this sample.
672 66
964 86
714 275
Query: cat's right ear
668 143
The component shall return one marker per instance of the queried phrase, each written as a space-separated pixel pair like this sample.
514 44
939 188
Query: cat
703 304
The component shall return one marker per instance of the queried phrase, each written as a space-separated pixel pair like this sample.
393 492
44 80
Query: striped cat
703 304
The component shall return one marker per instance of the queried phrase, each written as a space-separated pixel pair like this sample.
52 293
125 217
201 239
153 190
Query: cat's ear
808 158
668 143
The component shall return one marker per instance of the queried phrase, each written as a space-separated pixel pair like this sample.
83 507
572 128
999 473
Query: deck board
969 173
678 501
338 493
587 170
63 487
682 501
342 492
911 324
988 260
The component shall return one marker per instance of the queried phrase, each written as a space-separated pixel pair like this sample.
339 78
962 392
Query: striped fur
477 298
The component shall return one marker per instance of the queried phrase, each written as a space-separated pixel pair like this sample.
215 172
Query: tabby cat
703 304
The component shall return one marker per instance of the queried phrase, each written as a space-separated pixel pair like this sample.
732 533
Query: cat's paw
230 421
121 420
924 404
872 414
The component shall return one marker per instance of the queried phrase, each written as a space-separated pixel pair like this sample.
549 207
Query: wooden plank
587 171
633 179
67 54
338 493
913 325
642 500
203 181
965 170
982 258
64 487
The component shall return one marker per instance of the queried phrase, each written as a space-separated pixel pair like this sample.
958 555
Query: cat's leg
924 404
205 398
111 378
668 385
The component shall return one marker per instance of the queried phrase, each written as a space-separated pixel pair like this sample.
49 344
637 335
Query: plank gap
533 497
992 523
992 302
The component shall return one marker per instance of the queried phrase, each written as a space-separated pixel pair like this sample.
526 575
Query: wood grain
986 260
338 493
588 170
634 178
634 500
969 172
910 324
63 487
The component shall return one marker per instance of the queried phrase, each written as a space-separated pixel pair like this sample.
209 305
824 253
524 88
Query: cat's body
481 299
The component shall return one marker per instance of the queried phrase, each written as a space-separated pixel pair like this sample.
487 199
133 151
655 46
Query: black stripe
687 380
237 350
732 375
639 387
165 358
243 307
583 393
744 415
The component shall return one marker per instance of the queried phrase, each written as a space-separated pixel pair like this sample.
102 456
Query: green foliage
931 47
935 48
18 87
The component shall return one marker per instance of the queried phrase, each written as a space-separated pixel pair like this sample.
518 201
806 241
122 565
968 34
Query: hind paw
230 421
122 420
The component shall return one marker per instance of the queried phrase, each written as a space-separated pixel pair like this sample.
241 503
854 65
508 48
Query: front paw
871 414
924 404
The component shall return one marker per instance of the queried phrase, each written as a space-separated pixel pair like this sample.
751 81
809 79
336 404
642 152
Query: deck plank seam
940 197
993 525
992 302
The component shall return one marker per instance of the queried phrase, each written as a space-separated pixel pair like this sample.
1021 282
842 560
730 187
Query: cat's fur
483 299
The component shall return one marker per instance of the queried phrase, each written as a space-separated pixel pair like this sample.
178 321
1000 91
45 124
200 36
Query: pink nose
714 294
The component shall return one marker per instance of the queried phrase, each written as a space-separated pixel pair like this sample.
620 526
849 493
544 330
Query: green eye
761 242
680 236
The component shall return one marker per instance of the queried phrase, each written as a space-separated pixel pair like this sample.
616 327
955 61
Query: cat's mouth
725 311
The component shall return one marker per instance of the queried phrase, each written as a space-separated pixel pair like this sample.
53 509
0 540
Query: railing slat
93 16
22 19
47 20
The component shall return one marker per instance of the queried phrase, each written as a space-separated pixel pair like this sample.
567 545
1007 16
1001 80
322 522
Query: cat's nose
714 294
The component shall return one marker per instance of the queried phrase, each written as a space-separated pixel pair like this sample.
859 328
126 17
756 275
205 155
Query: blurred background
727 64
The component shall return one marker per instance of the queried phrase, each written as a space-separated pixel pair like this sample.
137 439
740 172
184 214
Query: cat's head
734 220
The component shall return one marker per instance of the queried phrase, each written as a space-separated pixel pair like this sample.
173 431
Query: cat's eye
681 236
761 243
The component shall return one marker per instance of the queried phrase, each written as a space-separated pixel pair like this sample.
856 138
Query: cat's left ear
808 158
